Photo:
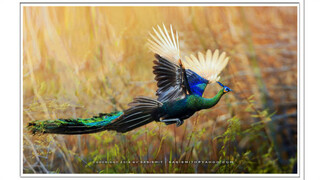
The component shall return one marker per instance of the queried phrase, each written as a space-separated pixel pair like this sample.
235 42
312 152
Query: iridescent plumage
208 65
180 82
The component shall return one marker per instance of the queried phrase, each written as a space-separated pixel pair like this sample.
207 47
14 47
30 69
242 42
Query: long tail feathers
143 110
74 126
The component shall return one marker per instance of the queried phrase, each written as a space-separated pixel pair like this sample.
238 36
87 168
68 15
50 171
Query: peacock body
180 82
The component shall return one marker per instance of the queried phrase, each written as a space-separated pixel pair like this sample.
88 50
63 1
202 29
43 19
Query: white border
300 92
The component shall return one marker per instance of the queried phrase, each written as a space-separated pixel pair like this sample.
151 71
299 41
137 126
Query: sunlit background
81 61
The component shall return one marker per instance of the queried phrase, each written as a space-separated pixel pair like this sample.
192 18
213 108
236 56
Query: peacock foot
172 121
179 123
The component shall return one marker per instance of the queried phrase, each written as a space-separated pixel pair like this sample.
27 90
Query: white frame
300 93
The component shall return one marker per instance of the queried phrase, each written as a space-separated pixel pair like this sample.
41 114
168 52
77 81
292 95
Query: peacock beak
227 90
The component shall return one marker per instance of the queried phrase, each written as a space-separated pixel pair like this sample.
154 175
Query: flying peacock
180 82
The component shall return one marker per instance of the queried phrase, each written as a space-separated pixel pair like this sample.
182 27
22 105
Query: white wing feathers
208 66
165 45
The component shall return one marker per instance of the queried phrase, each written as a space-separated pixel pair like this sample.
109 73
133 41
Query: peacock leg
178 121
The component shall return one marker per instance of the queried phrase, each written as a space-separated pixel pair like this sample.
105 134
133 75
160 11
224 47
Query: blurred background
81 61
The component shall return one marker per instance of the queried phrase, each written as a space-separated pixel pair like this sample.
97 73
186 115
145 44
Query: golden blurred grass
80 61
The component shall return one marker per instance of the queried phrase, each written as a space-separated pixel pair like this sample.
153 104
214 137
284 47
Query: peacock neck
210 102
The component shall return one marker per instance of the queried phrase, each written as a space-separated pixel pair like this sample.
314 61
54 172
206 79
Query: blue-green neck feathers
197 103
208 103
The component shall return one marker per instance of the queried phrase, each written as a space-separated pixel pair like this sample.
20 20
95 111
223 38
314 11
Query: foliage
82 61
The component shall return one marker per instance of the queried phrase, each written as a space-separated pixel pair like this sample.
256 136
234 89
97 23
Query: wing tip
164 44
208 65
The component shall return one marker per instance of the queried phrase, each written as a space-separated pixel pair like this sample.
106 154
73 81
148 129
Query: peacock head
226 89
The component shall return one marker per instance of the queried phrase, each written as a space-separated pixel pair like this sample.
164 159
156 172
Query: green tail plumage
142 111
74 126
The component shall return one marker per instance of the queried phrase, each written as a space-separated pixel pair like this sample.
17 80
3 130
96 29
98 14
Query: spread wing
208 66
170 80
175 80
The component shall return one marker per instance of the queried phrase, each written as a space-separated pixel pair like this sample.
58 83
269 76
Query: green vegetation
82 61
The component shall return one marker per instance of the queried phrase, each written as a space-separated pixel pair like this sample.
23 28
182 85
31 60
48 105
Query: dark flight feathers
170 80
175 82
